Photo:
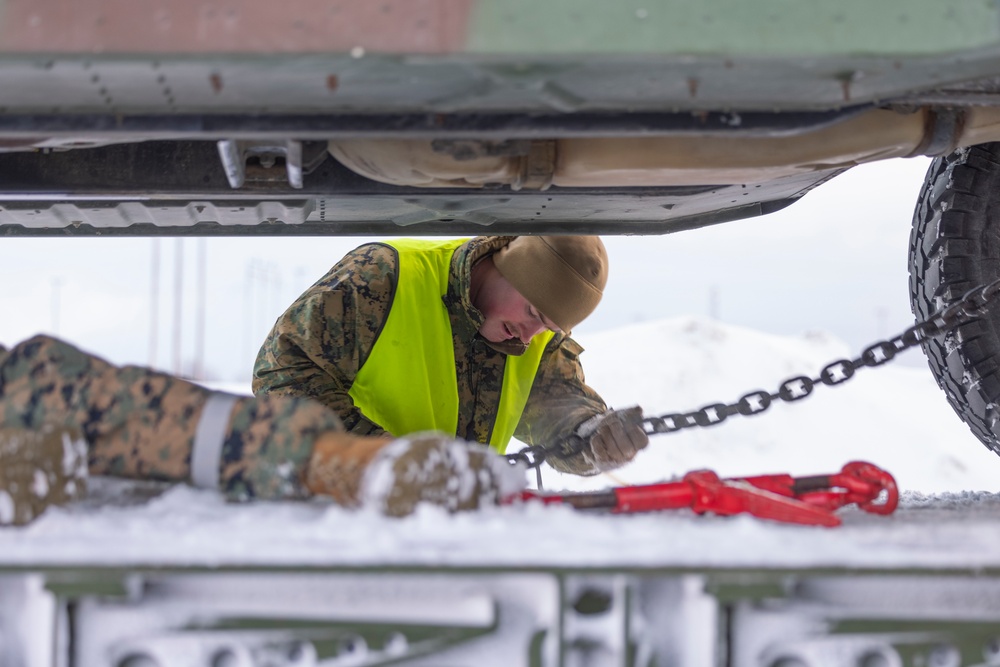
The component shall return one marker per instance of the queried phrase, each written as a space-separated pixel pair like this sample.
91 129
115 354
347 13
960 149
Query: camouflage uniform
318 345
140 423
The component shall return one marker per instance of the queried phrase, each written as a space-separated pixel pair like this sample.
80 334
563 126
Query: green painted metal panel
737 27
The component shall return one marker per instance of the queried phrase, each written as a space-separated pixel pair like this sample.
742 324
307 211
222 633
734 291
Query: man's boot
39 468
394 476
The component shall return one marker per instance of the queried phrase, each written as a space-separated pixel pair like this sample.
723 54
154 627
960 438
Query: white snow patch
379 477
74 461
40 484
6 508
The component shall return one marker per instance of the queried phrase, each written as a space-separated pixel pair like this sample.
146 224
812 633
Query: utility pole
713 302
154 301
199 340
277 286
56 305
249 304
178 302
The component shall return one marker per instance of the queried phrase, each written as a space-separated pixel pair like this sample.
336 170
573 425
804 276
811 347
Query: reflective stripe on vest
408 383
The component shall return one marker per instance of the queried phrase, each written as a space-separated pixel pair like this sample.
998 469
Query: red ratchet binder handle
802 500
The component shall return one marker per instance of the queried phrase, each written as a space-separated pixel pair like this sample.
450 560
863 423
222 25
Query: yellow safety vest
409 381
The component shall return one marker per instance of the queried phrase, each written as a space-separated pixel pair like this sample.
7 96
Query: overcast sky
835 262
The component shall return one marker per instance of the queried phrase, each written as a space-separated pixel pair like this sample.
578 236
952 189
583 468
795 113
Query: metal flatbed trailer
184 579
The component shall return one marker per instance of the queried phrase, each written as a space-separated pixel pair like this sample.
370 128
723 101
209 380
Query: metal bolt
991 651
395 644
353 646
225 657
593 602
295 652
299 653
944 655
789 661
138 660
875 658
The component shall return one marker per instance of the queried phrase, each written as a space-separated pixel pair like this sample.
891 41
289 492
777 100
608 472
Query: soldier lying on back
64 412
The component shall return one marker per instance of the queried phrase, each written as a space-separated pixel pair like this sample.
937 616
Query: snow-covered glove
39 468
613 438
394 476
436 468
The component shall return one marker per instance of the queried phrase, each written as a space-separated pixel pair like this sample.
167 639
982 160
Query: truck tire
954 247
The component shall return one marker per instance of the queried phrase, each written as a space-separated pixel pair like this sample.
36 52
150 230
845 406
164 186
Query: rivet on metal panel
225 657
944 655
991 651
139 660
593 601
846 79
692 83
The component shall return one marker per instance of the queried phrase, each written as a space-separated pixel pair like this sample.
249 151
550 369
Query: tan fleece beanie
562 276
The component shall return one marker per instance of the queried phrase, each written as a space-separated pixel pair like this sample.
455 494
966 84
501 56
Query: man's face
508 314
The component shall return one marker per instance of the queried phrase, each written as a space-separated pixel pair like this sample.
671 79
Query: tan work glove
39 468
613 438
394 476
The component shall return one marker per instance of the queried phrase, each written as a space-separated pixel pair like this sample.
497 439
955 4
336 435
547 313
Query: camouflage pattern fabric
140 423
317 346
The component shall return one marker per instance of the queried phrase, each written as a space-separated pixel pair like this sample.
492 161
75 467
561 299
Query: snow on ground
893 416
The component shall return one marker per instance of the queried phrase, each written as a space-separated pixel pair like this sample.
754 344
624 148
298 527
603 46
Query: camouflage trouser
140 423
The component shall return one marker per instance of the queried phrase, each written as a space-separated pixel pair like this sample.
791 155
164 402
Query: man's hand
613 438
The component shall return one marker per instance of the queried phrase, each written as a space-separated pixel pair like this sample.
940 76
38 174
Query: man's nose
529 330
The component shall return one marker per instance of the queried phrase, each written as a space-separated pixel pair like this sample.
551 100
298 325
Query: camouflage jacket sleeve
317 346
560 400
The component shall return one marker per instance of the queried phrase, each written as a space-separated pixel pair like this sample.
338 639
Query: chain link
534 456
973 304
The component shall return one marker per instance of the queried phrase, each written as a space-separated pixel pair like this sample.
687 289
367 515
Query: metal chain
972 305
534 455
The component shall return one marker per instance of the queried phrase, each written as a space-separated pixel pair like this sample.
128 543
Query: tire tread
953 247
